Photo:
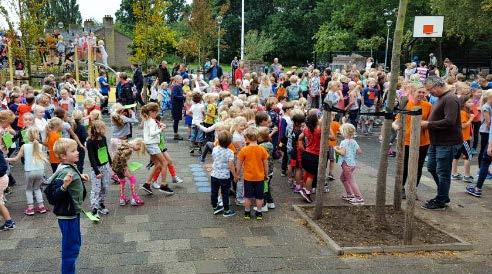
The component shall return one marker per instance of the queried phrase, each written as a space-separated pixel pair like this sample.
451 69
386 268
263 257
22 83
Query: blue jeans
196 135
439 161
71 242
484 168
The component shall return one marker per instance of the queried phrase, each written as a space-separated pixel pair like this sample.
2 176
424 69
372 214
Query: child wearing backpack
67 192
34 170
98 152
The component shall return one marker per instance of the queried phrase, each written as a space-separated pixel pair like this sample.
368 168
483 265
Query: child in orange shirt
253 160
466 104
53 133
332 142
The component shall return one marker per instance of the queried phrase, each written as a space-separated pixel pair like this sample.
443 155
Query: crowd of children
246 127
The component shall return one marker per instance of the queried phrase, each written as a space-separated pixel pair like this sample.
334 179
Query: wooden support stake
400 154
322 164
76 63
413 157
11 61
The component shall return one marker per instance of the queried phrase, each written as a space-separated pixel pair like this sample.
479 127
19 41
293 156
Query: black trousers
223 185
422 155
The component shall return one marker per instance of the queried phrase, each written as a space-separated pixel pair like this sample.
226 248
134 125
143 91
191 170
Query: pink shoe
136 201
41 209
297 189
124 201
29 211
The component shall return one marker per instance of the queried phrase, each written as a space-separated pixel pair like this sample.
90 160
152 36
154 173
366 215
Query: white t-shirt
41 125
197 110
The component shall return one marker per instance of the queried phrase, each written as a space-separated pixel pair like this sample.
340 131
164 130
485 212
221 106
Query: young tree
200 40
153 38
328 39
380 219
176 10
257 45
31 26
370 43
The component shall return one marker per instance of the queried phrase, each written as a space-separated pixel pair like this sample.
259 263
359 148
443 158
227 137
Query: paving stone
192 254
256 241
177 244
213 232
263 231
123 228
119 269
8 244
204 189
45 265
24 233
181 267
136 219
137 236
158 257
150 246
219 253
17 266
98 270
210 266
123 259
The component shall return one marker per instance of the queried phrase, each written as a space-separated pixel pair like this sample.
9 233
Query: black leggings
476 133
484 141
422 154
175 126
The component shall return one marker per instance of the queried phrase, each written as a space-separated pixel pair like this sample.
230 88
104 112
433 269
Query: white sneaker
263 209
156 185
239 202
219 201
177 180
271 205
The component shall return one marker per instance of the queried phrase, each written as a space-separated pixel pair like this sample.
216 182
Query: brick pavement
179 234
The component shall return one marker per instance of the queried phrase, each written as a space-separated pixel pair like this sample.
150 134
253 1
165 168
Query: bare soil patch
354 226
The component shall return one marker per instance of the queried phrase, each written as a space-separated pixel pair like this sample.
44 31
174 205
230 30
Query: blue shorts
188 120
253 189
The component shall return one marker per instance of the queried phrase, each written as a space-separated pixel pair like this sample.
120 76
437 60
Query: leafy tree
65 11
125 17
370 43
466 19
31 26
328 39
200 39
257 45
153 38
176 10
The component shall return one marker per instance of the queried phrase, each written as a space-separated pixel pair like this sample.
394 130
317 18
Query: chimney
107 21
89 25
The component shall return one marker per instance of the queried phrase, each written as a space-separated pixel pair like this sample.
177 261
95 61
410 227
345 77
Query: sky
91 9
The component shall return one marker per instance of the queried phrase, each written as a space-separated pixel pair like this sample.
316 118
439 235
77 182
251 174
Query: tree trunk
323 159
413 157
395 71
400 154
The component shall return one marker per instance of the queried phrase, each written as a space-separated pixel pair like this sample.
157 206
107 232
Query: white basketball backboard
428 26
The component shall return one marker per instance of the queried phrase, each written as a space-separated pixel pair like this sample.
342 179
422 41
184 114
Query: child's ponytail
33 135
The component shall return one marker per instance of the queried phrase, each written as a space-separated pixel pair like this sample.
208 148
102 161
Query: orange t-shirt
335 128
21 110
253 157
230 146
466 131
51 139
424 133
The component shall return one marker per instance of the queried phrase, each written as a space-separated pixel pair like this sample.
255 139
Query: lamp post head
60 25
389 23
219 19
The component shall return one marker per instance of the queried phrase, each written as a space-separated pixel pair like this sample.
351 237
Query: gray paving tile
210 266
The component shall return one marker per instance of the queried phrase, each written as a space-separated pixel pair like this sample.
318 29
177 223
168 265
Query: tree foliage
328 39
153 38
202 34
257 45
465 19
176 10
125 18
370 44
65 11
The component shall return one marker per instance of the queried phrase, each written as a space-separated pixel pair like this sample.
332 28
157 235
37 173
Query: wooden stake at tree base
400 157
90 65
76 63
11 61
413 157
323 160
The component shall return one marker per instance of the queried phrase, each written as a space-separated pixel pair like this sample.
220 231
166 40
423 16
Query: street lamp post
219 22
388 24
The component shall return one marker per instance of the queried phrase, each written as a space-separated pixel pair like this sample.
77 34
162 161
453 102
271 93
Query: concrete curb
460 245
